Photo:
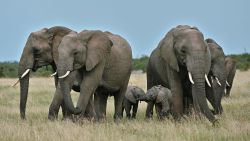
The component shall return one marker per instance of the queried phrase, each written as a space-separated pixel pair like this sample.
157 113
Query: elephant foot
216 123
52 115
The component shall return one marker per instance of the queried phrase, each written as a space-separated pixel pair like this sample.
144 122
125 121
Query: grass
234 122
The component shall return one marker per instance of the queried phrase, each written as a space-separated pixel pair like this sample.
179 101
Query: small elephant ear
167 51
130 96
160 96
98 45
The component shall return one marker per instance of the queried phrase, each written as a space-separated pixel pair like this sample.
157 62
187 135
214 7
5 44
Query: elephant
104 61
217 76
41 49
131 100
230 73
181 62
161 97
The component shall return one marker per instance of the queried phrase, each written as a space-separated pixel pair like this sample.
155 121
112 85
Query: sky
143 23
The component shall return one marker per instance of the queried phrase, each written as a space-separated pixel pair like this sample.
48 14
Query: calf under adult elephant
104 61
181 62
41 49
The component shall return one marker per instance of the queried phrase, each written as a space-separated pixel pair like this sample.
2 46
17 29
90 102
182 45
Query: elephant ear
98 45
167 51
160 97
130 95
208 53
55 35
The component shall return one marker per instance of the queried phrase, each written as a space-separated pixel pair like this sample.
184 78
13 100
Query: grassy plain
234 122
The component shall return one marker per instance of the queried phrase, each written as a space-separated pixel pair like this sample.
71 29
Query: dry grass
234 123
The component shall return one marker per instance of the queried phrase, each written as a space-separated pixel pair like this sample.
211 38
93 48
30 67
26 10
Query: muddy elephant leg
135 107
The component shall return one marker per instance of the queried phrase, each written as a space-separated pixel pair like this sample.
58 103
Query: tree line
10 69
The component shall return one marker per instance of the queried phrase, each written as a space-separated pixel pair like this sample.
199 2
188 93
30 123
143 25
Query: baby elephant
131 99
161 97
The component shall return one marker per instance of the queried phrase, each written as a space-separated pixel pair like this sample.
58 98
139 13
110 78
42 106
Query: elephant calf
130 100
161 97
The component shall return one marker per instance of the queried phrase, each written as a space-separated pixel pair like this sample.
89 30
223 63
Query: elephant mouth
38 64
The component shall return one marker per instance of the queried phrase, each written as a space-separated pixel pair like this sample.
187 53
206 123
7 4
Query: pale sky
142 23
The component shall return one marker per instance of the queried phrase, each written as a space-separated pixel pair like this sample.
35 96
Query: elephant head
184 50
157 94
217 73
85 51
40 50
134 94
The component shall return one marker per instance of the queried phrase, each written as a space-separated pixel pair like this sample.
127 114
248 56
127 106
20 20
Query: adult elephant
181 62
230 73
104 61
41 49
217 76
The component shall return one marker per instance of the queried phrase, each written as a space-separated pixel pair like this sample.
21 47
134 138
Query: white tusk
218 81
225 91
208 83
16 83
65 75
25 73
212 79
53 74
227 84
190 78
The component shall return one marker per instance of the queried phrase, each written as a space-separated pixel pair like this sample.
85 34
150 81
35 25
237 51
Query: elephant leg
177 92
119 96
149 110
100 104
103 104
158 108
135 107
127 106
55 104
90 111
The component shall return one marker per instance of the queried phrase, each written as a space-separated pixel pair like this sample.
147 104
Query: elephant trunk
65 74
199 95
65 87
25 65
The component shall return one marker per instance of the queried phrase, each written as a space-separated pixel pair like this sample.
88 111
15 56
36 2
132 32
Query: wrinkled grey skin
161 97
182 50
230 73
217 70
41 49
104 61
131 100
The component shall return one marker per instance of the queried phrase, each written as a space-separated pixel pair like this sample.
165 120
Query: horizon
142 24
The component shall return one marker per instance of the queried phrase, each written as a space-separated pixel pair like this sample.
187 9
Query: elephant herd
183 72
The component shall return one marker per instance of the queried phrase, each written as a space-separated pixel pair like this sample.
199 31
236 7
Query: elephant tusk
190 78
227 84
212 79
65 75
25 73
53 74
16 83
218 81
208 83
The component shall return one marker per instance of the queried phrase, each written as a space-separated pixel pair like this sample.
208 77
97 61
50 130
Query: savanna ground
234 122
